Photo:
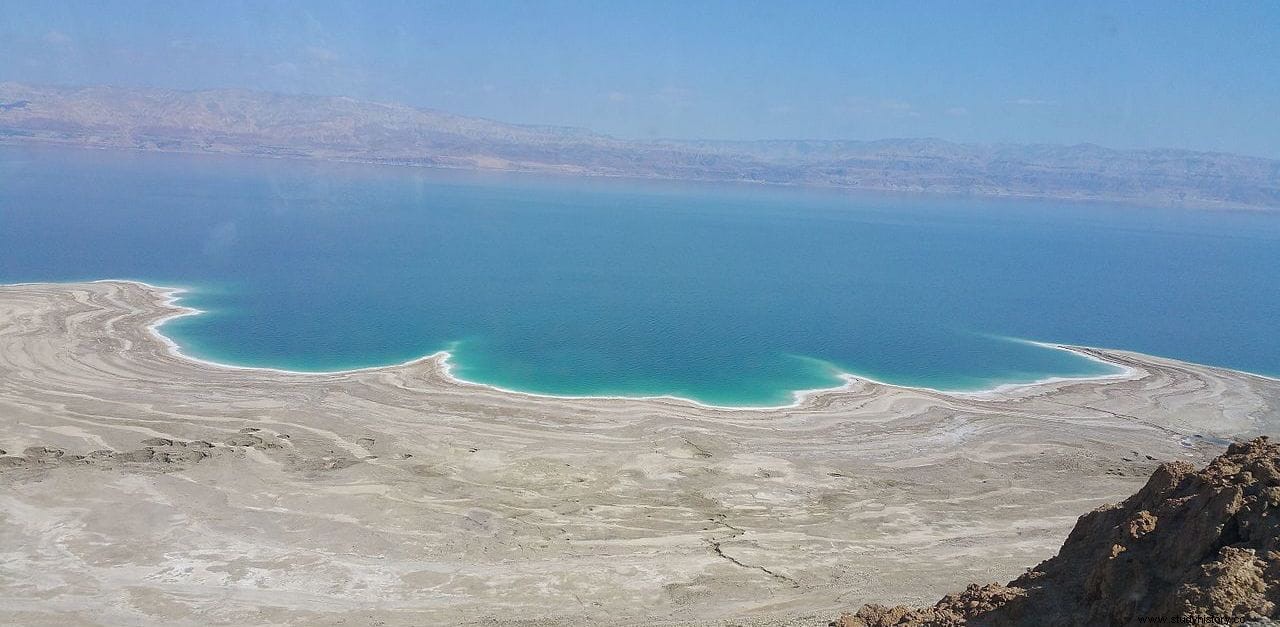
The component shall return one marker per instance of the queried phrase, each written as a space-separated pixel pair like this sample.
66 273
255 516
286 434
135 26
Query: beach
139 486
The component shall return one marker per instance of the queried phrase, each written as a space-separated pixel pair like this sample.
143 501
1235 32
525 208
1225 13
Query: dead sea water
727 294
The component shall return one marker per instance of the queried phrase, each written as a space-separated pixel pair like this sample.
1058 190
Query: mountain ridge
241 121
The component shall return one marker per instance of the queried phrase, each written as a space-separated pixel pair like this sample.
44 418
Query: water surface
726 294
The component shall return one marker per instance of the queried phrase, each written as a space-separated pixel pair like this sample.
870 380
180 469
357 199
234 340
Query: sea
726 294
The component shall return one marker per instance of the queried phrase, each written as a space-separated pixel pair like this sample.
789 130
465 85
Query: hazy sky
1124 74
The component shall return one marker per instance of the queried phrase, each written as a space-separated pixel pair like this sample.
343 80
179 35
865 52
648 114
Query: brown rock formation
1189 548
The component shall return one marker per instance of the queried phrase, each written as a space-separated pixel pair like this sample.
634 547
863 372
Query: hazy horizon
1141 76
592 312
924 138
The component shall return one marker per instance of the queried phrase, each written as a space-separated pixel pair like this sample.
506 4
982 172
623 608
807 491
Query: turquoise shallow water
726 294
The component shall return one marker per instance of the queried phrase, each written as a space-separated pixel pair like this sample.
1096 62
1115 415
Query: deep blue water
726 294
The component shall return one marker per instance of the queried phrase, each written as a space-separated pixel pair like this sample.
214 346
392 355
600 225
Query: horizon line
654 140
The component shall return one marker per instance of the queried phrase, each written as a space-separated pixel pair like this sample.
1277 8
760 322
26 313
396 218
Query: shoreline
144 487
463 165
173 294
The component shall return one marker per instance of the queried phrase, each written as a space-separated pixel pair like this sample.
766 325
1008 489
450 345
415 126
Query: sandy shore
400 496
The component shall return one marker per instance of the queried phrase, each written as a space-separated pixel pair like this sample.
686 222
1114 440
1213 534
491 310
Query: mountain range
234 121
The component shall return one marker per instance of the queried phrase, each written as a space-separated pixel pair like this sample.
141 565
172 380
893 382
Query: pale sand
515 508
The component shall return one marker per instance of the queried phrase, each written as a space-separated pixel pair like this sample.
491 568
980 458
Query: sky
1200 75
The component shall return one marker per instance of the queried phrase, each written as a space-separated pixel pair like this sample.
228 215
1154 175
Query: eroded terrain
141 487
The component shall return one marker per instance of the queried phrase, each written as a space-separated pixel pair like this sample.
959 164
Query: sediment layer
139 486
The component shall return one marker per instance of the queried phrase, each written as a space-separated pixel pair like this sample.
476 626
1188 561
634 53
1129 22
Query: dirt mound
158 454
1189 548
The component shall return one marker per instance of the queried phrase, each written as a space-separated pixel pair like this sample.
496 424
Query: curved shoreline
173 296
177 490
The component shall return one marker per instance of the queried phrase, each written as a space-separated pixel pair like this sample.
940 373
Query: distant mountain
315 127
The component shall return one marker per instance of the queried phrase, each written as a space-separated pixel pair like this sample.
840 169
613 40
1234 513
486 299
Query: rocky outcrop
1189 548
161 454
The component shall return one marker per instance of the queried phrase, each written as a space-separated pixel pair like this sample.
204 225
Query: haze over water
728 294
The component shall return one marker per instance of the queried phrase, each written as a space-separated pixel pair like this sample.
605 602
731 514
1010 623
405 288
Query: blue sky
1125 74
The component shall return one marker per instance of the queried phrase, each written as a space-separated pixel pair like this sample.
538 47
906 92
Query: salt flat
139 487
